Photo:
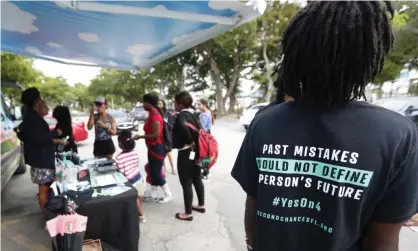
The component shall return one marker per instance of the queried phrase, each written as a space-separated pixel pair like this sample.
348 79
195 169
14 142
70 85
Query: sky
74 74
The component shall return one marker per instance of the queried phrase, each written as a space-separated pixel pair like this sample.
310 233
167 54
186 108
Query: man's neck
288 98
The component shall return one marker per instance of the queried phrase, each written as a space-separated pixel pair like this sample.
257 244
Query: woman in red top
154 139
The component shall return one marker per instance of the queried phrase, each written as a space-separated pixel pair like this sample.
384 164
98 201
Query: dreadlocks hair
279 84
333 49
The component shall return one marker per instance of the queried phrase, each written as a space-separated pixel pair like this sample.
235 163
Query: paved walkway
220 229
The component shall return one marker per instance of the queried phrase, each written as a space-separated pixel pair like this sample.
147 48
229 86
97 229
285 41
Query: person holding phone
104 128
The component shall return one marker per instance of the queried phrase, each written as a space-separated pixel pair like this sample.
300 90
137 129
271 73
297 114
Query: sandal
199 209
190 218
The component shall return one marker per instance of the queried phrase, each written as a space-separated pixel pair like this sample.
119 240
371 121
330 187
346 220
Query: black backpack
168 142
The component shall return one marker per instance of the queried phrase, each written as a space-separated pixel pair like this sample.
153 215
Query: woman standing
206 116
168 119
184 139
64 123
154 139
105 127
39 142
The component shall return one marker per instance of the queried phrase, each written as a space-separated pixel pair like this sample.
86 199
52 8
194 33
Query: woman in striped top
128 164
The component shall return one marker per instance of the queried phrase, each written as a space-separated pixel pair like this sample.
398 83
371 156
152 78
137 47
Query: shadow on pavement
22 224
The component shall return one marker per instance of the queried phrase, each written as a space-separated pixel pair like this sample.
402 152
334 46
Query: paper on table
105 179
112 191
415 229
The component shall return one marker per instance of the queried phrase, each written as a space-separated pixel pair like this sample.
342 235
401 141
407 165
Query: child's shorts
140 186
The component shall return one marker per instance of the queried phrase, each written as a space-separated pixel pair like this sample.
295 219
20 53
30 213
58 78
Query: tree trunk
180 80
216 77
233 83
267 73
232 102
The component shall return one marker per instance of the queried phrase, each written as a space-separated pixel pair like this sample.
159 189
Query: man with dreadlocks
326 172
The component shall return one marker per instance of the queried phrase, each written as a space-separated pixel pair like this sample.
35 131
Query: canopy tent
117 34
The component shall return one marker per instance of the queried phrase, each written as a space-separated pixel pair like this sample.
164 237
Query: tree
227 56
407 35
270 28
16 69
125 86
83 98
173 70
55 91
405 51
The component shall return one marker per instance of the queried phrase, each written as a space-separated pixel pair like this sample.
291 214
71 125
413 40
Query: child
147 193
128 164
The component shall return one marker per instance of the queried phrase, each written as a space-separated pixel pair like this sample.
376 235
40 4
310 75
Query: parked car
76 113
12 158
124 122
79 130
139 113
406 106
248 114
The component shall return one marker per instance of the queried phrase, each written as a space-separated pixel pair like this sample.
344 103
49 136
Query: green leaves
125 86
405 51
16 69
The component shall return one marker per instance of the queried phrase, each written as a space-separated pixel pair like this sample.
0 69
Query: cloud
64 4
112 63
54 45
160 7
33 50
15 20
139 49
137 61
89 37
234 5
187 37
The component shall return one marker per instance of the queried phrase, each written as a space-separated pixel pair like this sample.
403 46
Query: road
221 228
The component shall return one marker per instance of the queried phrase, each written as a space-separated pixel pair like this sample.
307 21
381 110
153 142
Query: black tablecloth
113 219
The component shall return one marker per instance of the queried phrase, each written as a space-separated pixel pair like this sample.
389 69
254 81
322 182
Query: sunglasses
98 104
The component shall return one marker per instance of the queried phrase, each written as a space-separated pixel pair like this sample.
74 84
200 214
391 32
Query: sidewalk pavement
23 228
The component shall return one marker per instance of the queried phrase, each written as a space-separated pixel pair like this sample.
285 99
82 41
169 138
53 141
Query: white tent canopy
117 34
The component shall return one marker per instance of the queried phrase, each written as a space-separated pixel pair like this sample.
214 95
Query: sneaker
142 219
165 199
149 199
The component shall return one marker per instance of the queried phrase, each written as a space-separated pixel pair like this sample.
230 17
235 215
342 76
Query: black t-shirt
320 176
67 131
183 135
